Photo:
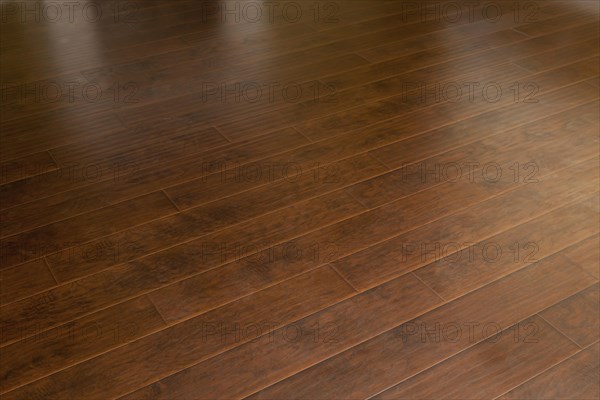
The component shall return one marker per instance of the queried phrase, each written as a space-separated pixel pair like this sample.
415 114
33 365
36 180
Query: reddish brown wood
573 378
176 201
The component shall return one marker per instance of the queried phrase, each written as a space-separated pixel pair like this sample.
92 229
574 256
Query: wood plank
535 28
65 91
188 293
135 36
437 60
212 217
577 317
129 22
25 280
512 50
363 115
413 169
190 166
245 90
95 174
179 52
587 256
376 264
573 378
89 294
363 13
48 351
147 147
198 292
271 247
16 214
28 135
75 231
540 62
202 190
392 213
504 303
136 95
302 41
170 82
490 367
425 23
346 37
455 273
575 74
594 81
371 92
249 319
279 262
212 187
482 22
394 155
82 60
25 167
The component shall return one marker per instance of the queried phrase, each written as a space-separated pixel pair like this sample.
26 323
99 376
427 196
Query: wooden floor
343 199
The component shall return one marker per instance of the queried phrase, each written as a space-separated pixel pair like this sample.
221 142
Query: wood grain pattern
594 81
573 378
25 280
63 303
513 299
205 200
540 62
196 292
412 167
336 148
192 166
488 368
393 154
46 351
411 350
371 266
456 272
252 319
361 116
77 230
476 25
24 167
348 97
578 316
587 256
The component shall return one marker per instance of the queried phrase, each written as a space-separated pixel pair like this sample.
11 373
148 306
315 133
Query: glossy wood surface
300 200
